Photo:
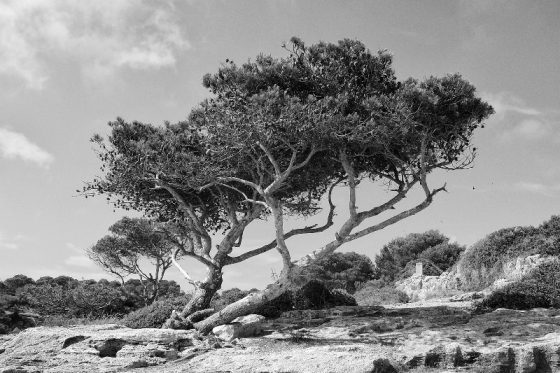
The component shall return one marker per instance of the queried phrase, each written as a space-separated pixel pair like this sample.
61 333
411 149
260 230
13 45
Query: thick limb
198 305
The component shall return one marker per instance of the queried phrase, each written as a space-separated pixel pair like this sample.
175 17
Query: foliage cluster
539 288
64 296
397 258
155 314
342 271
377 292
313 295
483 262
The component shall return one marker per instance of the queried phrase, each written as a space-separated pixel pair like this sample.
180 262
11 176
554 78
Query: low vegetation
63 300
483 263
378 293
154 315
539 288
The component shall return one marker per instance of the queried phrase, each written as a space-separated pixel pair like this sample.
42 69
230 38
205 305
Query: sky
68 67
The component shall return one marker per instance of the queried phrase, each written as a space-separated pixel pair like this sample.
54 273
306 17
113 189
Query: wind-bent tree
133 246
275 139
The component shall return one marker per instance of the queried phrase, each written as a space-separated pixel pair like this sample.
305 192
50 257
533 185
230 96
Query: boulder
241 327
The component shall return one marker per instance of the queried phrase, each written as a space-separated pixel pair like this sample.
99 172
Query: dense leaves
483 262
155 314
139 247
317 101
539 288
71 298
342 271
398 257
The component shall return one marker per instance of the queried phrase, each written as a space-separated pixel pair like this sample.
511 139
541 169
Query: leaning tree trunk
198 306
290 280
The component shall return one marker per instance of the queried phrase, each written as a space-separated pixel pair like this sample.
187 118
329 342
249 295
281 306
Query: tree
342 270
131 243
432 247
15 283
275 139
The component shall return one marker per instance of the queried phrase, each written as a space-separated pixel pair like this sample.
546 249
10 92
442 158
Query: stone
107 348
383 366
241 327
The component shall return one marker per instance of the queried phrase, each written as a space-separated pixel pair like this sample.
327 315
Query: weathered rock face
95 348
450 283
241 327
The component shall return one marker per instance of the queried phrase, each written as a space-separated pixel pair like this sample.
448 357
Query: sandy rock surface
424 337
95 348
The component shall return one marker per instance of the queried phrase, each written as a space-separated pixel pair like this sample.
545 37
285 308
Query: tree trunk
198 305
289 280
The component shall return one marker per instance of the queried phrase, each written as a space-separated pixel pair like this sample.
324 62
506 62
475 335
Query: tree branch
294 232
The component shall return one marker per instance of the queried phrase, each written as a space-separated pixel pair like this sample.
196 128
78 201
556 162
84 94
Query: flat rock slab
350 340
94 348
417 339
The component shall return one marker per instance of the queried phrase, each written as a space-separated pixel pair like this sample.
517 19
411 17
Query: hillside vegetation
483 263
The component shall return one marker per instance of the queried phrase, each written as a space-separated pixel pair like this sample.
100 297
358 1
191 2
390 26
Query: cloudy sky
68 67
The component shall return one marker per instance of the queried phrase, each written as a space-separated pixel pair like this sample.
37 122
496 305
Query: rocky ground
434 336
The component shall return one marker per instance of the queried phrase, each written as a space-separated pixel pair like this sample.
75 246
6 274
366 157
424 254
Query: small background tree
398 257
134 245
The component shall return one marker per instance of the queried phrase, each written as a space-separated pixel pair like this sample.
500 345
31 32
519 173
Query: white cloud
16 145
101 36
505 102
538 188
79 261
532 129
12 243
523 121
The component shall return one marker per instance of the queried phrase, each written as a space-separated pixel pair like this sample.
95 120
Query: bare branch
396 218
271 159
176 263
294 232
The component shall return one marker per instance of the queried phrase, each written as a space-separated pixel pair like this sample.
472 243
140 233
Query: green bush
226 297
154 315
539 288
342 271
313 295
396 259
377 292
483 262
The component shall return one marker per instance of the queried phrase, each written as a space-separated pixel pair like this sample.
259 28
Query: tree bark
289 280
199 303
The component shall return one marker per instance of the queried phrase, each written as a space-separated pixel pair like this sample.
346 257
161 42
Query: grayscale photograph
279 186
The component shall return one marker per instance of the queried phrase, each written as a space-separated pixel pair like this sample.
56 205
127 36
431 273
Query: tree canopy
277 135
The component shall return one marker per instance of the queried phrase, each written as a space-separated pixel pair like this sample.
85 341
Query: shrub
342 270
377 292
313 295
154 315
81 299
396 258
539 288
483 262
226 297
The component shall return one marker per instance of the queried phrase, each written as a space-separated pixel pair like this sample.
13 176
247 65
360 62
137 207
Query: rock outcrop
95 348
342 339
451 283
